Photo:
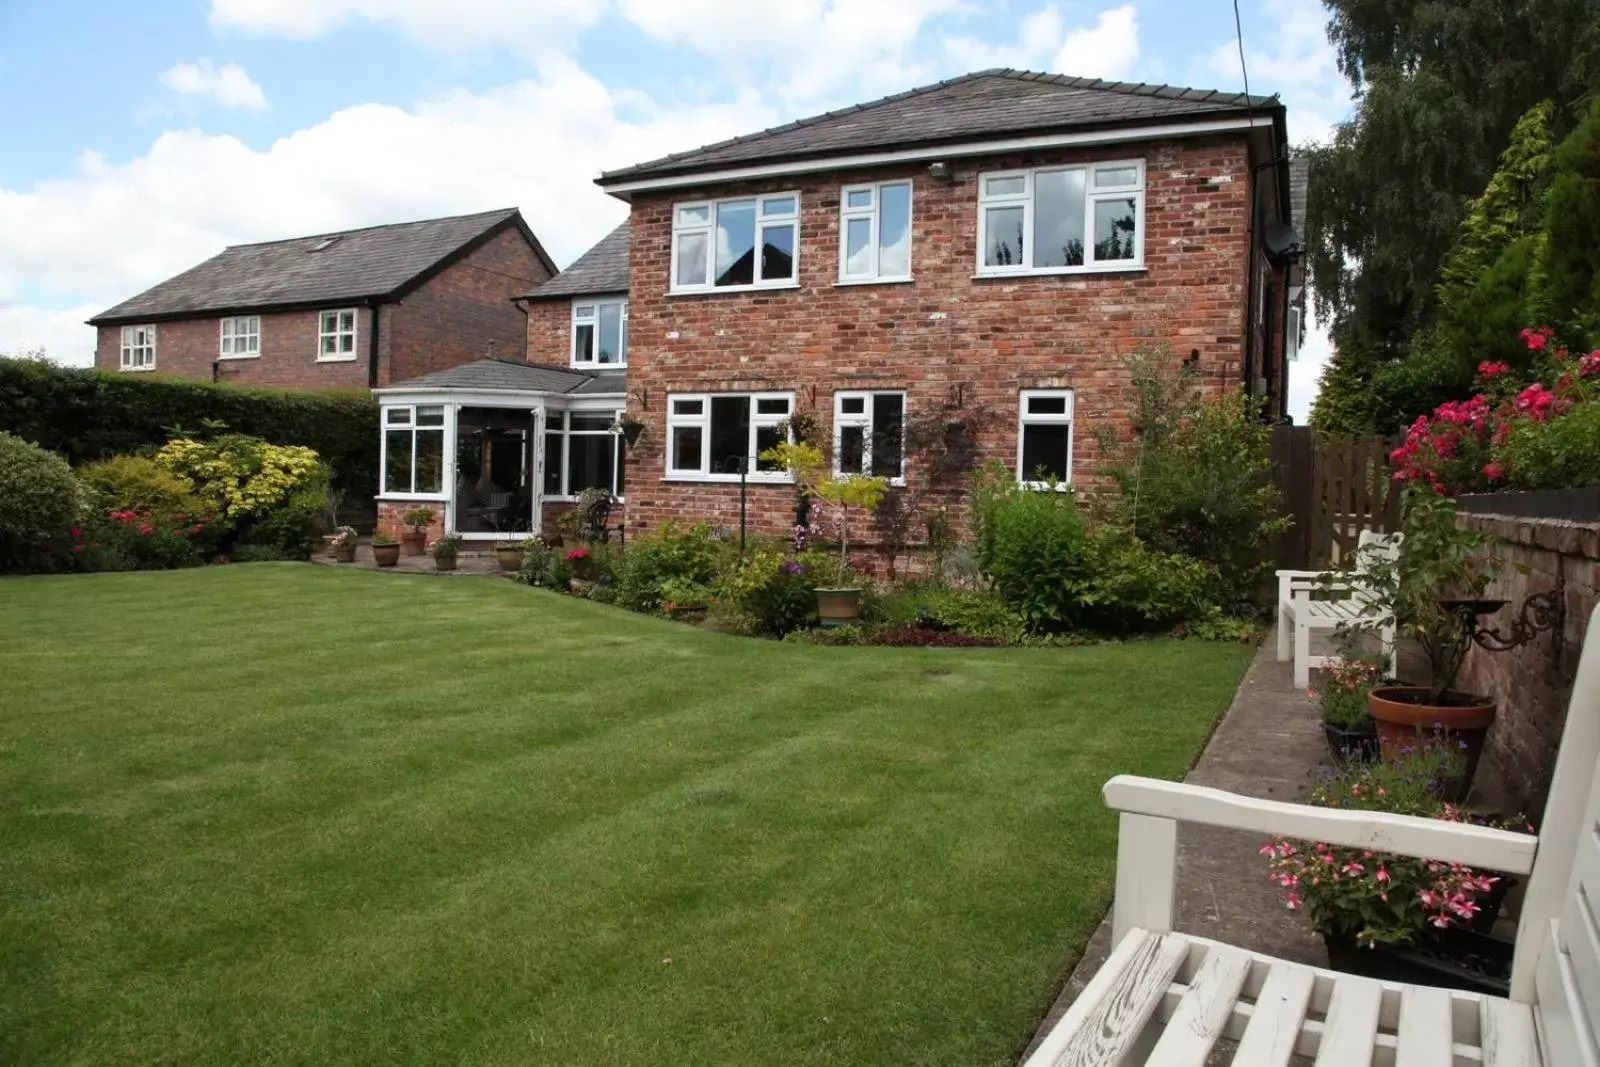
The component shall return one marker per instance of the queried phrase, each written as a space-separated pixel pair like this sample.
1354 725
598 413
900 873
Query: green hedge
87 415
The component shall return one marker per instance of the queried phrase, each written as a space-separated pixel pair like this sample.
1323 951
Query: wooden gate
1333 488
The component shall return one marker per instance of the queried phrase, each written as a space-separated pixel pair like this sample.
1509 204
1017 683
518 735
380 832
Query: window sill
719 290
247 355
1044 487
599 368
873 281
1058 272
409 497
337 359
136 370
729 479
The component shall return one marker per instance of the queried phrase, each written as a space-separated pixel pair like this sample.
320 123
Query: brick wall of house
1531 685
465 313
550 332
190 349
946 334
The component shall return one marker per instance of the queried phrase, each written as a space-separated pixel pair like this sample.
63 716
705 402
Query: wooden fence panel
1333 488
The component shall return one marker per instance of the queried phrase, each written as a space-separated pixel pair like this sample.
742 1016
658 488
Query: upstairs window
710 437
1044 438
1061 219
336 338
746 243
138 348
241 337
600 334
869 434
875 232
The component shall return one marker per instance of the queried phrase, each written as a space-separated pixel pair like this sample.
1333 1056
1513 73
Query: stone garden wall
1533 683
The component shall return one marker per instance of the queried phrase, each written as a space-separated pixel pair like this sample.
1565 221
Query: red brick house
987 247
358 309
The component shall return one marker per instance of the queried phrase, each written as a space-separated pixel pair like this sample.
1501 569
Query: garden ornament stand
1166 997
1540 613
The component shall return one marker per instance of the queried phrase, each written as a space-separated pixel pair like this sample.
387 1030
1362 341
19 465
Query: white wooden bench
1166 998
1300 615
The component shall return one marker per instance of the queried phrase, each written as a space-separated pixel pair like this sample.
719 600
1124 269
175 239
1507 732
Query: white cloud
1302 66
227 85
1108 48
530 27
61 334
113 229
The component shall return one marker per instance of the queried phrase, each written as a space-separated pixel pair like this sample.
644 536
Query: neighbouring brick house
354 309
988 248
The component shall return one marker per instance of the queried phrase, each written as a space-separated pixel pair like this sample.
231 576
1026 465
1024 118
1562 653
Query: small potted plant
342 544
841 604
414 539
509 553
445 550
385 549
1342 699
1440 570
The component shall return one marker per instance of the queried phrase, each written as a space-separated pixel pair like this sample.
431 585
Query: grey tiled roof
511 374
986 104
602 269
378 261
1299 182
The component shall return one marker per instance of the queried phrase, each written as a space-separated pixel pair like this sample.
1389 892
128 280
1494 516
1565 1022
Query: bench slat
1508 1039
1280 1013
1204 1011
1351 1029
1426 1033
1115 1022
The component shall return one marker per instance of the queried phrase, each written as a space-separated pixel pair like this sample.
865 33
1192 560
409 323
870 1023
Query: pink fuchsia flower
1294 902
1493 471
1589 365
145 529
1493 368
1536 339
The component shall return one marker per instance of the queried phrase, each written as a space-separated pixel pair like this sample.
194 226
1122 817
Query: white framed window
138 348
582 450
241 337
1061 220
336 335
600 333
413 450
869 434
710 435
1044 438
747 242
875 232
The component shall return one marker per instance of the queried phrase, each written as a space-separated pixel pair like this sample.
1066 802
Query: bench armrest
1406 835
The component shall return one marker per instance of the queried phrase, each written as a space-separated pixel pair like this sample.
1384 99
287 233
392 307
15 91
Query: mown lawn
275 814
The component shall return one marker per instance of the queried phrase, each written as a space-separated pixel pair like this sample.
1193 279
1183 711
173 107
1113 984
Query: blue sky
142 138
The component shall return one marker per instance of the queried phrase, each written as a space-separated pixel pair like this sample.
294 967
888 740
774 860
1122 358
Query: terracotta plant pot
386 555
1406 718
414 541
839 607
444 563
510 556
345 553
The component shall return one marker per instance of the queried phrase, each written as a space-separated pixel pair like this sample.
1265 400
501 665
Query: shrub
139 483
1129 588
667 552
1342 697
267 495
544 566
1555 453
87 415
148 541
1199 484
40 501
978 613
1032 546
766 593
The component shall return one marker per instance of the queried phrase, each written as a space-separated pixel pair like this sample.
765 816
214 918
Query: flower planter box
386 555
1576 505
344 553
1454 959
839 607
1405 718
414 542
510 556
